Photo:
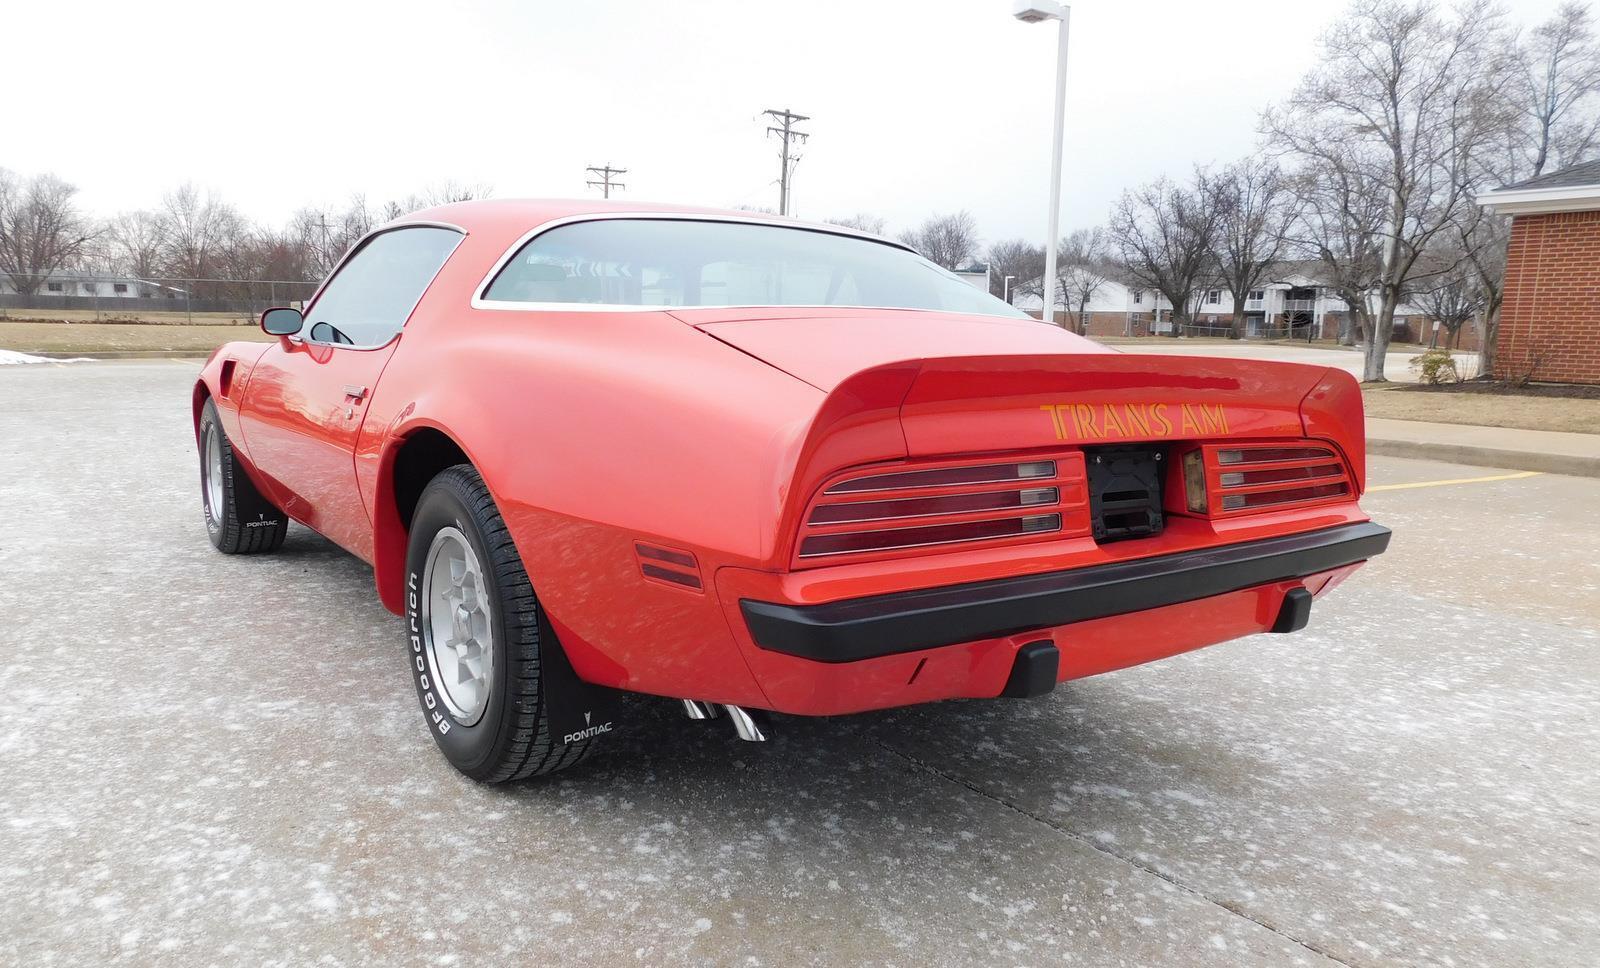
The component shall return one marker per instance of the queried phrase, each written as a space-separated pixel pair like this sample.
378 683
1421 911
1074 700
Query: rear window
681 262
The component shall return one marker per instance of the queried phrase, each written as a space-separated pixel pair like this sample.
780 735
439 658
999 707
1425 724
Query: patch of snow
8 357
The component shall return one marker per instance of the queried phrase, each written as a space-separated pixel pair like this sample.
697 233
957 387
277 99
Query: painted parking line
1459 480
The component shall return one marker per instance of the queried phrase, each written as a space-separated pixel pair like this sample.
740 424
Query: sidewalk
1523 450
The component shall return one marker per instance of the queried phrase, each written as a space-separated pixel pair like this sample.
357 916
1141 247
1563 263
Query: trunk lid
825 346
921 391
979 383
973 404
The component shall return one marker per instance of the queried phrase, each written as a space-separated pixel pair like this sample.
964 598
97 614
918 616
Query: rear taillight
929 507
948 477
1240 478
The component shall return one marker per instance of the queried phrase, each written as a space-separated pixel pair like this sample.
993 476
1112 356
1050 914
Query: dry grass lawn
85 337
1519 412
178 318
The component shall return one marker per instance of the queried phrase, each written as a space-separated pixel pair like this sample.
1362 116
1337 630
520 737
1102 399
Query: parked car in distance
756 465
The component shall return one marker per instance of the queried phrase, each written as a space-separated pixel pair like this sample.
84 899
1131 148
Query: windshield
682 262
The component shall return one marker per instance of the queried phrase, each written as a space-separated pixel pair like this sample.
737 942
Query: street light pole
1033 11
1005 289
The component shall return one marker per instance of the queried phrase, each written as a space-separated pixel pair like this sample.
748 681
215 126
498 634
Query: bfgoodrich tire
474 637
239 520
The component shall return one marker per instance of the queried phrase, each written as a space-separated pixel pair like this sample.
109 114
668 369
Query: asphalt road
214 760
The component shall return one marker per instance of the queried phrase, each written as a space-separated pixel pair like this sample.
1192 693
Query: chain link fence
111 297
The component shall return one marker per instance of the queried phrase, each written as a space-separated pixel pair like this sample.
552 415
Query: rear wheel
239 520
474 631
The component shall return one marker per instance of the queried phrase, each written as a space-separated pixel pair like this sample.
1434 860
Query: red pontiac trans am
754 464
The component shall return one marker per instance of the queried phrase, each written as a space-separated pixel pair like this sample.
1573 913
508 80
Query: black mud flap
1295 613
1033 674
576 710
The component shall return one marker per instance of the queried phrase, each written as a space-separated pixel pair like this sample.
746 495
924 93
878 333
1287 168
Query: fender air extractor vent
668 566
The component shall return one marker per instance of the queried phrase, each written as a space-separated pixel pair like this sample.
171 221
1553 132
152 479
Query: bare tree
862 222
1404 97
441 193
1483 237
1255 212
197 229
134 243
328 233
1559 81
275 256
1342 227
1162 233
41 229
1020 259
950 241
1083 268
1454 295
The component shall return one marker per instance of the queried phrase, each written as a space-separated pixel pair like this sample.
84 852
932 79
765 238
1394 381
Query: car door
308 395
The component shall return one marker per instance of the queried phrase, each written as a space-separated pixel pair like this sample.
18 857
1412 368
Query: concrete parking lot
214 760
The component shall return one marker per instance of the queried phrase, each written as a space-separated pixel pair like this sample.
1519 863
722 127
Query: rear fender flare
389 533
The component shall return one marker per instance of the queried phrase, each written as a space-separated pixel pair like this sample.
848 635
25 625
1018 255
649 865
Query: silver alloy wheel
211 473
459 636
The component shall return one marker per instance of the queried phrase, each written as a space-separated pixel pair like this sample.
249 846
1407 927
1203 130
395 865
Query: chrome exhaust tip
745 724
695 709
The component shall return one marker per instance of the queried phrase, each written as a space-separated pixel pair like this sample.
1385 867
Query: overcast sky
919 107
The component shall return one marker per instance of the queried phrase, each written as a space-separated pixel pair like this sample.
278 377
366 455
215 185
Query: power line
786 158
605 184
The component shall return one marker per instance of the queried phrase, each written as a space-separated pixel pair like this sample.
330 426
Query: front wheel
474 634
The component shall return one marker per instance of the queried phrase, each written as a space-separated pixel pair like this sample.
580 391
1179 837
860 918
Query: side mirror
282 321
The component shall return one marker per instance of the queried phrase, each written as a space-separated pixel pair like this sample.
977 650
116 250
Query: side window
373 293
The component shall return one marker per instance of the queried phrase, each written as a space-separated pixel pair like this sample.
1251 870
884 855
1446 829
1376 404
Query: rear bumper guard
880 625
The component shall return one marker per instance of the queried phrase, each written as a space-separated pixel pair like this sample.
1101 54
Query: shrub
1436 367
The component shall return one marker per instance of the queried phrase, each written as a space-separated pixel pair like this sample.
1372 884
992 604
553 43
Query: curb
1575 465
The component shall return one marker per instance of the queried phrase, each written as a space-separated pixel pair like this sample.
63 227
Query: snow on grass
11 356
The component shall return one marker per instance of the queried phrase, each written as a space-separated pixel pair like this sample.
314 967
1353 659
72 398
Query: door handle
355 392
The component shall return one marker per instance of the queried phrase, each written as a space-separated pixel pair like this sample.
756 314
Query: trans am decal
1135 421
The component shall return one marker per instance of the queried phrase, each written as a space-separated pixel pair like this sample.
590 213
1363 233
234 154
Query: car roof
514 217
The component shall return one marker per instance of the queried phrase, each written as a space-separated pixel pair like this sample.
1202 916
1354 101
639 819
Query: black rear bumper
865 628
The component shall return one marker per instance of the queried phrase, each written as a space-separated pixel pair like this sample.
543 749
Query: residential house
1293 305
976 275
96 286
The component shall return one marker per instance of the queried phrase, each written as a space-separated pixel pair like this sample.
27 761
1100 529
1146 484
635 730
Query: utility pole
787 160
605 184
327 258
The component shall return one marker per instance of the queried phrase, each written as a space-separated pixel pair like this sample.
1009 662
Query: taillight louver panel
892 539
1297 495
948 477
1276 476
942 504
870 514
1244 478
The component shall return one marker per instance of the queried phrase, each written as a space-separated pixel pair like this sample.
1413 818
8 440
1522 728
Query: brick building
1550 320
